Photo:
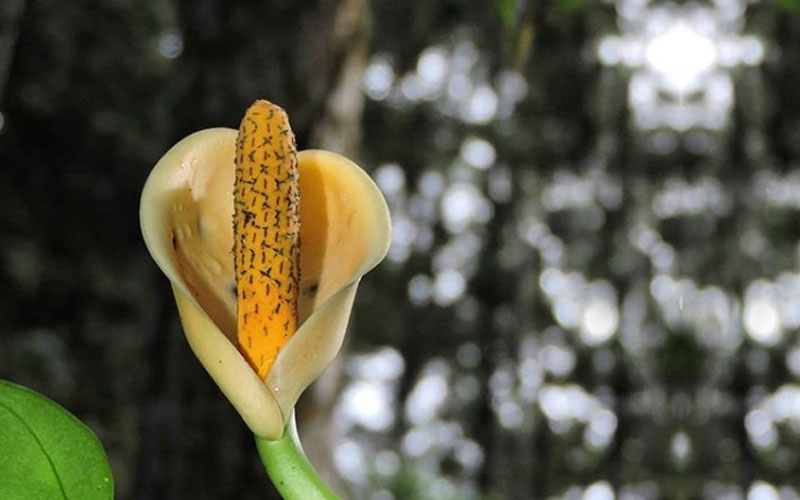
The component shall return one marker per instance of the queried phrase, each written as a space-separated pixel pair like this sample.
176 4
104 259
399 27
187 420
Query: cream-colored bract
186 215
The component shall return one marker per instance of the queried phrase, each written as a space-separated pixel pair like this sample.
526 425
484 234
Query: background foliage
594 286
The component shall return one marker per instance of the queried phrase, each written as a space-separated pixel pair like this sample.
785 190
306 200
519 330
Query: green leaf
45 452
507 10
793 5
570 6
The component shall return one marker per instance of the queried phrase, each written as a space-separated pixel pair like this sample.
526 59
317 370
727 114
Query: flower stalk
290 470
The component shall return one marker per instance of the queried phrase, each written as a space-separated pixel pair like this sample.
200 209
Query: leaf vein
41 446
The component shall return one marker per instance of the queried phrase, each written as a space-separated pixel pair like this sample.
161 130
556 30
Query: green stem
289 468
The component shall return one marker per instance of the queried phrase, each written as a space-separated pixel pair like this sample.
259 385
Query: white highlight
378 78
681 55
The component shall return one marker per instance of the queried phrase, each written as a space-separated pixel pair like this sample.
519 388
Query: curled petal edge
186 212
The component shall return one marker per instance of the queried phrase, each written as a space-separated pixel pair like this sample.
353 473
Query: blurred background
593 290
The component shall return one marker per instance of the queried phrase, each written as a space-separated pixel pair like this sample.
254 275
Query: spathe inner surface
199 228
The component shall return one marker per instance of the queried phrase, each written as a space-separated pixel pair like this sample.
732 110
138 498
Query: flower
186 216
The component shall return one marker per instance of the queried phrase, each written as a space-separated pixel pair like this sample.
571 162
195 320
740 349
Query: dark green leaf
571 5
45 452
793 5
507 10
